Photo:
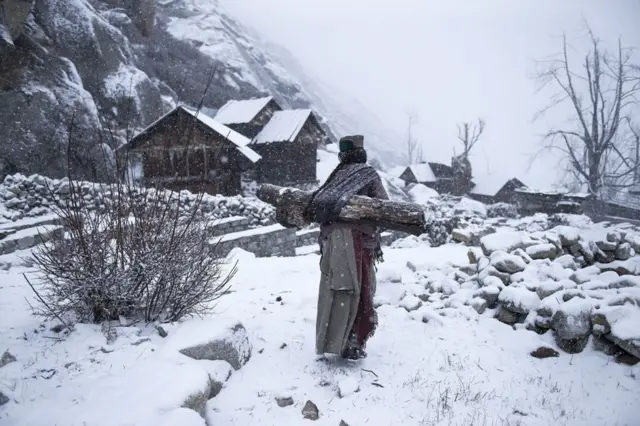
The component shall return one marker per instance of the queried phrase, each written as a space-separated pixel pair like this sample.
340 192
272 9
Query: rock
472 256
572 324
568 235
161 331
625 281
542 251
506 241
614 237
603 345
461 236
542 322
411 303
284 401
3 399
522 254
343 423
479 304
605 256
567 261
347 387
627 359
619 324
606 245
544 352
507 263
518 300
490 271
196 340
623 251
310 411
506 316
489 294
547 288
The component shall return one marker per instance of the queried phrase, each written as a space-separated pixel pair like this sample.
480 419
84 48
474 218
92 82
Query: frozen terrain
439 356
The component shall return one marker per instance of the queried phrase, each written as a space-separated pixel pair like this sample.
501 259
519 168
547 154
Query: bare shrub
144 255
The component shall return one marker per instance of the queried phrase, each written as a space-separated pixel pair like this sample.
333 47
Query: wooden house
434 175
248 116
185 149
493 189
288 145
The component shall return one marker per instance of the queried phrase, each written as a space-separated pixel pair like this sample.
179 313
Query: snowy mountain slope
105 65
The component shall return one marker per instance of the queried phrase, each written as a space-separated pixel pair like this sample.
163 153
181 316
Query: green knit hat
348 143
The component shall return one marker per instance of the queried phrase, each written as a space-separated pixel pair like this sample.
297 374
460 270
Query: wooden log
392 215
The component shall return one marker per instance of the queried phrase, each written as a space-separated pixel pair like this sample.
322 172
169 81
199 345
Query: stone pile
560 280
33 196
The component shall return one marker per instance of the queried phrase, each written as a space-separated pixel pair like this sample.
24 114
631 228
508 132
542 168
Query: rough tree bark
290 204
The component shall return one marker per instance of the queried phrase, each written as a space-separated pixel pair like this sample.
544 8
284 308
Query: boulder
507 263
310 411
568 235
518 300
479 304
572 324
619 324
522 254
607 245
208 339
542 251
568 262
463 236
507 316
7 358
489 294
490 271
623 251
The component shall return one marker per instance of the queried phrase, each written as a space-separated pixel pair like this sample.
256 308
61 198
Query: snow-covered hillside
107 66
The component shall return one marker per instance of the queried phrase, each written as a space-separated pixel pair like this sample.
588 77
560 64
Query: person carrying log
346 317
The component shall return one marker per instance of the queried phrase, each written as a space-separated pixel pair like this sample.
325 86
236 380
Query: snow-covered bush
140 258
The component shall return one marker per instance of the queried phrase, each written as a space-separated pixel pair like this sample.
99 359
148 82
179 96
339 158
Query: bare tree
469 134
600 96
414 147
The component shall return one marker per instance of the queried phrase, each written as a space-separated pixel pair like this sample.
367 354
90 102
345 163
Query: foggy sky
446 61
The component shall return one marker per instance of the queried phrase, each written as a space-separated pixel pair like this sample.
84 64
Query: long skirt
346 316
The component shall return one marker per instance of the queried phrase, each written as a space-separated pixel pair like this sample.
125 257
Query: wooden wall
293 162
183 153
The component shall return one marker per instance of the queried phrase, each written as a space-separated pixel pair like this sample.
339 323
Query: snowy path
450 371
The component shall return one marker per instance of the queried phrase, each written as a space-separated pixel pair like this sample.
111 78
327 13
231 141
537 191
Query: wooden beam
290 204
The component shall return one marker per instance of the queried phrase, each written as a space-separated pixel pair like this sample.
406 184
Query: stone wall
307 237
273 240
229 225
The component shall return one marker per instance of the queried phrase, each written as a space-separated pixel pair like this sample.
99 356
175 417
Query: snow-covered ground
432 361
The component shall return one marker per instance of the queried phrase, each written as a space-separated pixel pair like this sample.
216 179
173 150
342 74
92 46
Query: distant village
256 140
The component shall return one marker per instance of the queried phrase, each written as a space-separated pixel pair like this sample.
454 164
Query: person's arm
377 190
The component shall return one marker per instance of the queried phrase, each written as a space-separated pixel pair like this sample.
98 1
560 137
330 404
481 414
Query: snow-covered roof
241 111
241 142
490 185
423 172
234 137
284 126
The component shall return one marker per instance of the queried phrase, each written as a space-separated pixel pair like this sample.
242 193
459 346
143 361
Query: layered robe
345 315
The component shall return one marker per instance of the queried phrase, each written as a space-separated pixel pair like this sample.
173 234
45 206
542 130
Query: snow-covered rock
572 324
518 300
211 340
619 324
508 263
